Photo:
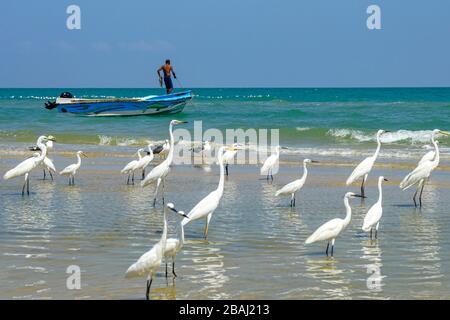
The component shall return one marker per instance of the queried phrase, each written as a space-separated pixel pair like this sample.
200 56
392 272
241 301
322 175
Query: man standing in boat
166 69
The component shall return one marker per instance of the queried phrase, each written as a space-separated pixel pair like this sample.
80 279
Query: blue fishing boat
164 104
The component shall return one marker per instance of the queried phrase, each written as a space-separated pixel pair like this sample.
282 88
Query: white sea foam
413 137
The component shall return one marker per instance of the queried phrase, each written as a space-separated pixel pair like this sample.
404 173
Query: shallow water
256 244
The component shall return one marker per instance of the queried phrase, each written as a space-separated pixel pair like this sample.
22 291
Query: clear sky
227 43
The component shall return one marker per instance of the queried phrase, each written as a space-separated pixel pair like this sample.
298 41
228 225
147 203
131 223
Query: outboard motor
66 95
52 104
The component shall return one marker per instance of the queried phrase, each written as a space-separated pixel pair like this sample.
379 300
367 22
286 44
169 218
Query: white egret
24 168
145 161
131 167
292 187
363 169
271 162
423 171
228 156
206 207
174 245
71 170
429 156
149 262
331 229
47 163
373 216
160 172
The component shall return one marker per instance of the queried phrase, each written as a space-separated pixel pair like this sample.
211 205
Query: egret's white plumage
47 164
373 216
71 170
271 162
292 187
363 169
159 173
423 171
429 156
145 161
206 207
174 245
149 262
331 229
25 167
228 156
130 167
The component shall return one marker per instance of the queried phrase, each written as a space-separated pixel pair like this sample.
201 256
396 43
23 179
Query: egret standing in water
206 207
271 162
423 171
292 187
363 169
47 163
228 156
131 167
160 172
24 168
331 229
373 216
145 161
71 170
149 262
174 245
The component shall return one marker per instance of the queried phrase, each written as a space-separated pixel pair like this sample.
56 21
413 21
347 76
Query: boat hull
152 105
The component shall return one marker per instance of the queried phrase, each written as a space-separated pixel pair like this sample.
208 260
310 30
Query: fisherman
167 69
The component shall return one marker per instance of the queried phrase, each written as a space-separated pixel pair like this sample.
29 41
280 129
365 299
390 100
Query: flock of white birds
148 264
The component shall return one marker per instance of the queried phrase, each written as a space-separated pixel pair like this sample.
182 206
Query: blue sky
228 43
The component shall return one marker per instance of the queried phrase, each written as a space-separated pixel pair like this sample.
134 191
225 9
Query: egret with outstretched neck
422 172
47 163
206 207
24 168
174 245
292 187
331 229
228 156
149 262
71 170
160 172
130 168
271 162
373 216
363 169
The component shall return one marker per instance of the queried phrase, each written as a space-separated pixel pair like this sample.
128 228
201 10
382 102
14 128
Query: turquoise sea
305 117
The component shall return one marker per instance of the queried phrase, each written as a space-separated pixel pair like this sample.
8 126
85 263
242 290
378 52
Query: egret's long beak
385 179
314 161
84 154
284 148
444 133
180 122
359 196
183 214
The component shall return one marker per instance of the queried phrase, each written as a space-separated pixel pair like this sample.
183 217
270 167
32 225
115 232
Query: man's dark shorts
168 82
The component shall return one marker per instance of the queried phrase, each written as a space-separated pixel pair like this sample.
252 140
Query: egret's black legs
44 174
173 269
226 169
166 269
362 188
420 195
332 249
147 292
143 174
51 175
328 245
